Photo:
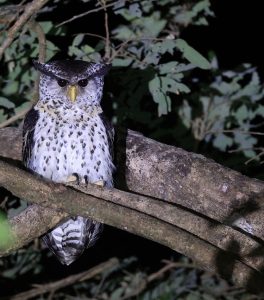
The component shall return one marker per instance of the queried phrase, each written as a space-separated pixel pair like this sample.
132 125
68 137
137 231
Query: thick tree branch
58 197
155 219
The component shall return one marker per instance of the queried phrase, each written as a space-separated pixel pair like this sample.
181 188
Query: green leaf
163 101
192 55
74 51
169 67
222 141
116 295
11 88
46 26
123 33
118 62
2 116
78 39
6 238
185 113
241 114
4 102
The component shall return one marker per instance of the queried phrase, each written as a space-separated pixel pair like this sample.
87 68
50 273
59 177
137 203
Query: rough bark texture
176 176
193 181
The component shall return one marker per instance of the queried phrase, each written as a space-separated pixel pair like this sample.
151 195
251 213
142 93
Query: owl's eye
62 82
83 82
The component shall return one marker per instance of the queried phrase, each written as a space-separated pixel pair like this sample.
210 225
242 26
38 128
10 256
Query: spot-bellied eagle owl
66 136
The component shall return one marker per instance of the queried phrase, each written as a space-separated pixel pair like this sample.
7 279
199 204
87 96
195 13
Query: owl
66 137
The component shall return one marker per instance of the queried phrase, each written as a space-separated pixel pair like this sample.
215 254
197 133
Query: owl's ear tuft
100 69
38 65
43 68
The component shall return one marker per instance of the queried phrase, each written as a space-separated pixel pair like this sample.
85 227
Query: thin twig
91 34
9 14
56 285
35 26
246 149
256 157
135 291
234 131
87 13
30 9
107 35
18 116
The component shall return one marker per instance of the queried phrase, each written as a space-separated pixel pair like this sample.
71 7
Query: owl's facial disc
72 92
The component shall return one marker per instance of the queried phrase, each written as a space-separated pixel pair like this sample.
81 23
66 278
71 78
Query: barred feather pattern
69 240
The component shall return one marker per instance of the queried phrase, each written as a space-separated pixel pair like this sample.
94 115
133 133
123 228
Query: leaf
46 26
241 114
163 101
74 51
169 67
6 238
78 39
153 25
4 102
245 141
118 62
222 141
134 10
2 116
10 88
123 33
164 46
116 295
192 55
185 113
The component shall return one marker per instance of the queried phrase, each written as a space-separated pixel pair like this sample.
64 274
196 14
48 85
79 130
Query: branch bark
150 167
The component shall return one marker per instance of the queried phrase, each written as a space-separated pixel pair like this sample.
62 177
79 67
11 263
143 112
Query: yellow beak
72 92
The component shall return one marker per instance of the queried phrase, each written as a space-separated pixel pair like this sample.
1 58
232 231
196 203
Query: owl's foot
72 178
100 182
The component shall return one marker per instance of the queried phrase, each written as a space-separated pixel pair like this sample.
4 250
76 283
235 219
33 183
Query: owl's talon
100 183
72 178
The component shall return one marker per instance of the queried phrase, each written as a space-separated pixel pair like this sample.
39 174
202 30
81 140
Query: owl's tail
70 239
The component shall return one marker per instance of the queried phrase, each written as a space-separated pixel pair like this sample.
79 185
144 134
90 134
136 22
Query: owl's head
71 82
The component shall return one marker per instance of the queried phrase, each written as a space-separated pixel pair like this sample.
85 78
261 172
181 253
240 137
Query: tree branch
59 284
30 9
87 13
154 219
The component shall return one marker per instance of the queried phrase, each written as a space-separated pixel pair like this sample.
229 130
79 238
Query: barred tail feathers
68 240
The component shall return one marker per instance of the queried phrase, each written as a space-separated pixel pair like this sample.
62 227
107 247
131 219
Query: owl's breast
62 149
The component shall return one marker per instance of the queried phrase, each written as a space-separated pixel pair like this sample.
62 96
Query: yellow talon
100 183
72 178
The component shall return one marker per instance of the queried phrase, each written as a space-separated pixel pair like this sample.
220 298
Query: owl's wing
110 132
30 121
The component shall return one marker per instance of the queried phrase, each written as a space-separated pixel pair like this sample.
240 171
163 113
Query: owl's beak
72 92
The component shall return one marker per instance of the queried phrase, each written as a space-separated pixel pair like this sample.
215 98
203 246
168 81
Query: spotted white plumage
63 137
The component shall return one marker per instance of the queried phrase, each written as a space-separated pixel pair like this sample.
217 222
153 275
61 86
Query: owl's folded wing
28 135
